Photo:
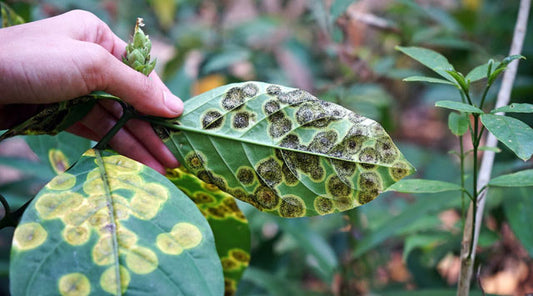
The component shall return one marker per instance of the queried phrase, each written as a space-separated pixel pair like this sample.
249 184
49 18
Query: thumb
147 94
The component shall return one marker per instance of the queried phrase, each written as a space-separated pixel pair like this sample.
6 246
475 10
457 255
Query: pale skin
71 55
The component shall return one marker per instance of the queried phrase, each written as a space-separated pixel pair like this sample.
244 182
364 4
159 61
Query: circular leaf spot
108 280
74 284
29 236
292 206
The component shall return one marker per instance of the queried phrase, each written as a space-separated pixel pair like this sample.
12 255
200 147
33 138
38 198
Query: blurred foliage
342 51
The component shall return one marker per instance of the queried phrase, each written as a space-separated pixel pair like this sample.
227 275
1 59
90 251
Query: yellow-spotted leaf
283 150
112 226
229 225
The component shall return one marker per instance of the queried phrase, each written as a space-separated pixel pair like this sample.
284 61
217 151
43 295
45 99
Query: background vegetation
342 51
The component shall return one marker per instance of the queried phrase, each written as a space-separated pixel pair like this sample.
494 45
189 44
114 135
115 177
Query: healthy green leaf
283 150
423 186
429 240
427 79
515 108
458 106
431 59
513 133
518 207
112 225
518 179
229 225
478 73
458 123
9 16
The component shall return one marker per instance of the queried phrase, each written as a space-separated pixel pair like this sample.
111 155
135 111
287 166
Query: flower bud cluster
138 51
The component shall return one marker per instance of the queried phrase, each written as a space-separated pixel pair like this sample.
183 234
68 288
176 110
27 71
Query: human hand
71 55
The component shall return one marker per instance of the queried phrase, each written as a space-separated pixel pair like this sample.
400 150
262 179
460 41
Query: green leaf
513 133
9 16
515 108
423 186
428 240
518 179
283 150
458 123
486 148
112 225
60 151
518 207
431 59
478 73
229 225
428 79
458 106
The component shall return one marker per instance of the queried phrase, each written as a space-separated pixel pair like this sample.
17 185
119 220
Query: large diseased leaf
283 150
110 225
228 223
513 133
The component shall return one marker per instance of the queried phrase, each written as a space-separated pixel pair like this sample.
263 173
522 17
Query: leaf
427 79
478 73
518 179
429 240
458 123
229 225
112 225
431 59
9 16
423 186
60 151
313 244
515 108
54 118
518 208
513 133
282 150
458 106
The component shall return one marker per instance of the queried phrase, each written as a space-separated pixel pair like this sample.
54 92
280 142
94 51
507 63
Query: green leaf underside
513 133
515 108
229 225
110 225
479 72
458 106
431 59
458 123
423 186
284 151
427 79
518 179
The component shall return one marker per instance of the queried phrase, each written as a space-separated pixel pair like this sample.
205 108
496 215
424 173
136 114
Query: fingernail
173 103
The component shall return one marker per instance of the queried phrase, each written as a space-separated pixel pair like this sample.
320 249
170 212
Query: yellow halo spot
74 284
94 183
168 245
64 181
126 181
229 264
108 280
186 234
125 237
103 251
29 236
56 205
76 235
141 260
121 165
58 160
144 206
90 153
157 191
100 218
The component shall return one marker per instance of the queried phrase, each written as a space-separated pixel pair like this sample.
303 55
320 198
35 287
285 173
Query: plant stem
127 114
488 157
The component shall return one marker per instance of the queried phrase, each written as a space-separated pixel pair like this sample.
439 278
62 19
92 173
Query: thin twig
485 169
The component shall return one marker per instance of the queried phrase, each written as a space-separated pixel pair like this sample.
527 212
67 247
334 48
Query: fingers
142 144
